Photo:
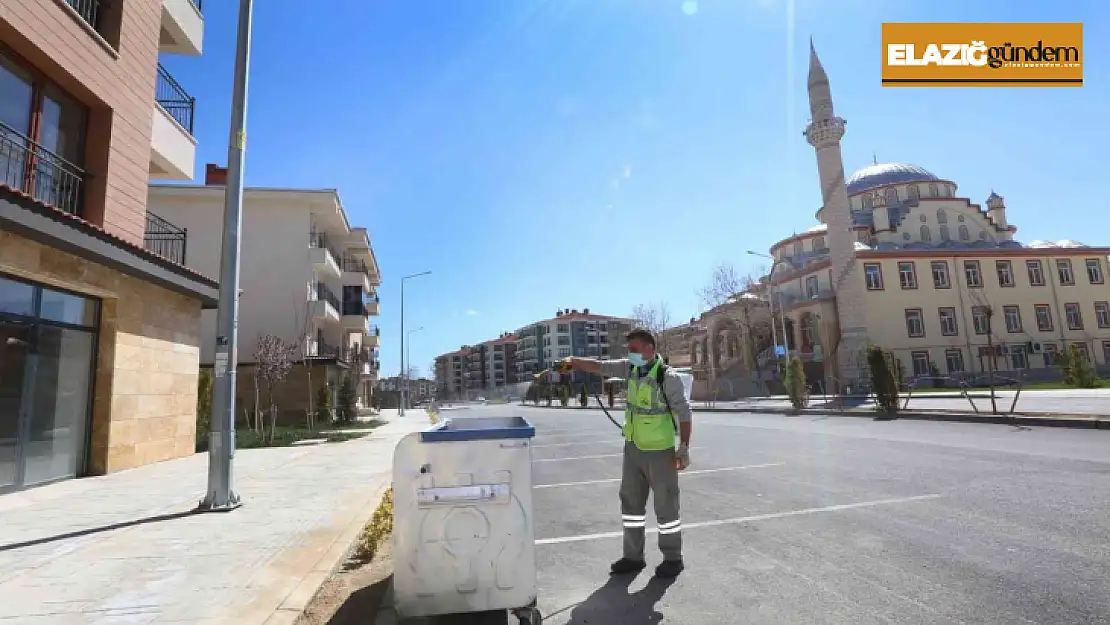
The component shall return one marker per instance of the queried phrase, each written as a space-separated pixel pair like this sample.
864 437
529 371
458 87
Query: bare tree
730 290
275 360
655 318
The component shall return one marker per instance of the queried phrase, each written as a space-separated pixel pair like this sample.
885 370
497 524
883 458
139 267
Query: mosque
899 259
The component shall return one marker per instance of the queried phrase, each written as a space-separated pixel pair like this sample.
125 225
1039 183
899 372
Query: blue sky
541 154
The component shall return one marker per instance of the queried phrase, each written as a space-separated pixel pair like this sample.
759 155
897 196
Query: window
1018 357
914 192
915 324
1012 314
940 274
811 287
948 325
965 234
873 273
1102 315
925 234
1063 270
891 196
602 326
933 190
942 217
954 358
1044 317
564 352
980 319
1050 354
1106 351
1094 271
972 273
867 201
924 218
1036 272
798 248
1083 352
1074 316
907 275
920 362
1005 272
945 235
819 243
564 340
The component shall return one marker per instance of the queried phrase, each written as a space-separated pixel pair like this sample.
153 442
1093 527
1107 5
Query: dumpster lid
478 429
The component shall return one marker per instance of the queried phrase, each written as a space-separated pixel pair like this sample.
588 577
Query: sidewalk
126 549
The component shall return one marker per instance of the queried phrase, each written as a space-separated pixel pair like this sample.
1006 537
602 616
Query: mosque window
944 234
982 235
960 218
964 234
866 199
933 190
914 193
906 236
925 234
942 217
819 243
891 196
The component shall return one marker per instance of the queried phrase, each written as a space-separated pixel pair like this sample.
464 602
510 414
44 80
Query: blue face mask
637 359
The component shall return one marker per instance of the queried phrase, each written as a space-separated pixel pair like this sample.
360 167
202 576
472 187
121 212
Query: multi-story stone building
99 315
308 277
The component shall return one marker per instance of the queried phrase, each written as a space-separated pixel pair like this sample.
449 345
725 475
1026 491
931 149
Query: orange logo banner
982 55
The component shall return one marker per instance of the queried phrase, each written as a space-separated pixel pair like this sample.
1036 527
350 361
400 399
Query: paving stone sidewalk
125 549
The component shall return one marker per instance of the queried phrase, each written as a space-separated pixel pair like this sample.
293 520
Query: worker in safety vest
656 411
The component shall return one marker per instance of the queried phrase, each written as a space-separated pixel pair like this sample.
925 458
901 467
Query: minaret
824 133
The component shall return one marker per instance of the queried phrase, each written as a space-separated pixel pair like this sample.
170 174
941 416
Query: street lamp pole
405 374
220 496
771 300
408 356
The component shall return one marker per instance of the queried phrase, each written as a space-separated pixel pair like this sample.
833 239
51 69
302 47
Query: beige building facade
901 260
99 317
308 277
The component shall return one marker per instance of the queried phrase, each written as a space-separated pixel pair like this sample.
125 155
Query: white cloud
471 313
627 171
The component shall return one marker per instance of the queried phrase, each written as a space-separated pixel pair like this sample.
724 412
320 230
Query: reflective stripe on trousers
644 473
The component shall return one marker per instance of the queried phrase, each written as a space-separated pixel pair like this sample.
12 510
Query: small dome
883 174
819 228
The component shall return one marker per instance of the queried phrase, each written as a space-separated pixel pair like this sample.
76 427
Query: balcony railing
355 307
320 240
89 10
173 98
199 4
165 239
28 167
323 293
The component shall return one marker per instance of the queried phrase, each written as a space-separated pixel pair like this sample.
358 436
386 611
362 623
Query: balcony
173 150
373 336
322 255
356 273
356 316
373 306
182 28
325 306
48 178
165 239
322 349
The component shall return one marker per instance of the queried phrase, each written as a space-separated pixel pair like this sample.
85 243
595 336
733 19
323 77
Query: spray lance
563 368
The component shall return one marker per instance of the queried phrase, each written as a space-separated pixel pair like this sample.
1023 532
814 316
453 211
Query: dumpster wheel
529 616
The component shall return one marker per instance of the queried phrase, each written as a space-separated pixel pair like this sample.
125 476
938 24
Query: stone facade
147 362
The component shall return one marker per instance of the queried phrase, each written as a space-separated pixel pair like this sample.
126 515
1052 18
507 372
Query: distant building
388 391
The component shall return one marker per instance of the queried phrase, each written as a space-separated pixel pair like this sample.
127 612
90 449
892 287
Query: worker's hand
682 457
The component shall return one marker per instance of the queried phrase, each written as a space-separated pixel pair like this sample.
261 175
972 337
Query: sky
545 154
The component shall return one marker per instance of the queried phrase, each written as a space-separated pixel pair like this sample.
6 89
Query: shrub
347 411
377 530
323 404
204 401
795 383
883 379
583 398
564 395
1078 372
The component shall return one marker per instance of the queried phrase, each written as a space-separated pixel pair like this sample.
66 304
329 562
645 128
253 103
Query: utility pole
989 312
405 374
221 496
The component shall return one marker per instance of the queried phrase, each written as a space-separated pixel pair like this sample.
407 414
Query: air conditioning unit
1036 347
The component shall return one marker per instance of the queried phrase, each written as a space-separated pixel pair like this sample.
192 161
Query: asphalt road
833 520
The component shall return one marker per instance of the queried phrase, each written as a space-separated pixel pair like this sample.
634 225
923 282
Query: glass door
15 341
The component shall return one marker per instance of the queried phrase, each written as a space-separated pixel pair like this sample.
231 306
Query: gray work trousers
654 472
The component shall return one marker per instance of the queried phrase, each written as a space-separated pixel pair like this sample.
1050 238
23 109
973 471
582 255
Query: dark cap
641 333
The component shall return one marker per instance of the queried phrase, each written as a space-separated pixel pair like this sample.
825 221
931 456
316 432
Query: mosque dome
883 174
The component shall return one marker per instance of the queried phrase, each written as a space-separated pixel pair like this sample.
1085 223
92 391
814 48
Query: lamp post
408 358
405 374
220 497
771 300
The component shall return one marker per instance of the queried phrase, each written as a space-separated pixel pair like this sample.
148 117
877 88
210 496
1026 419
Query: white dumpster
463 535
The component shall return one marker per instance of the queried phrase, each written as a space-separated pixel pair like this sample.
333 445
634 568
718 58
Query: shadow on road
97 530
361 608
612 603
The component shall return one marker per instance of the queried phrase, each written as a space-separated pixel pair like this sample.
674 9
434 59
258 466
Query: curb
1045 419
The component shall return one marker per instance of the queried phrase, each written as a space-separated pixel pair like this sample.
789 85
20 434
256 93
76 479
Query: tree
323 403
883 380
347 411
732 293
583 398
564 395
655 318
795 383
205 386
275 360
1078 372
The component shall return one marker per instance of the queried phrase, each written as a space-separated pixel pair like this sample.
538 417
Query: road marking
684 473
587 457
593 442
748 519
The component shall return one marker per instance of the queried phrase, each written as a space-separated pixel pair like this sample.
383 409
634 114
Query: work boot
624 566
669 568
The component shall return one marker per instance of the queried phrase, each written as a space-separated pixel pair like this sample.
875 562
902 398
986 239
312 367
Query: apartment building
388 391
450 383
308 277
99 316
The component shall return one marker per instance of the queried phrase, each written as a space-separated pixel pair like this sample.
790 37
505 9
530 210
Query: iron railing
199 4
172 97
323 293
28 167
355 307
89 10
320 240
165 239
355 265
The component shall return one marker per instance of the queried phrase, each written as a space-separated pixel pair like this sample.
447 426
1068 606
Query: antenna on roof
874 158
